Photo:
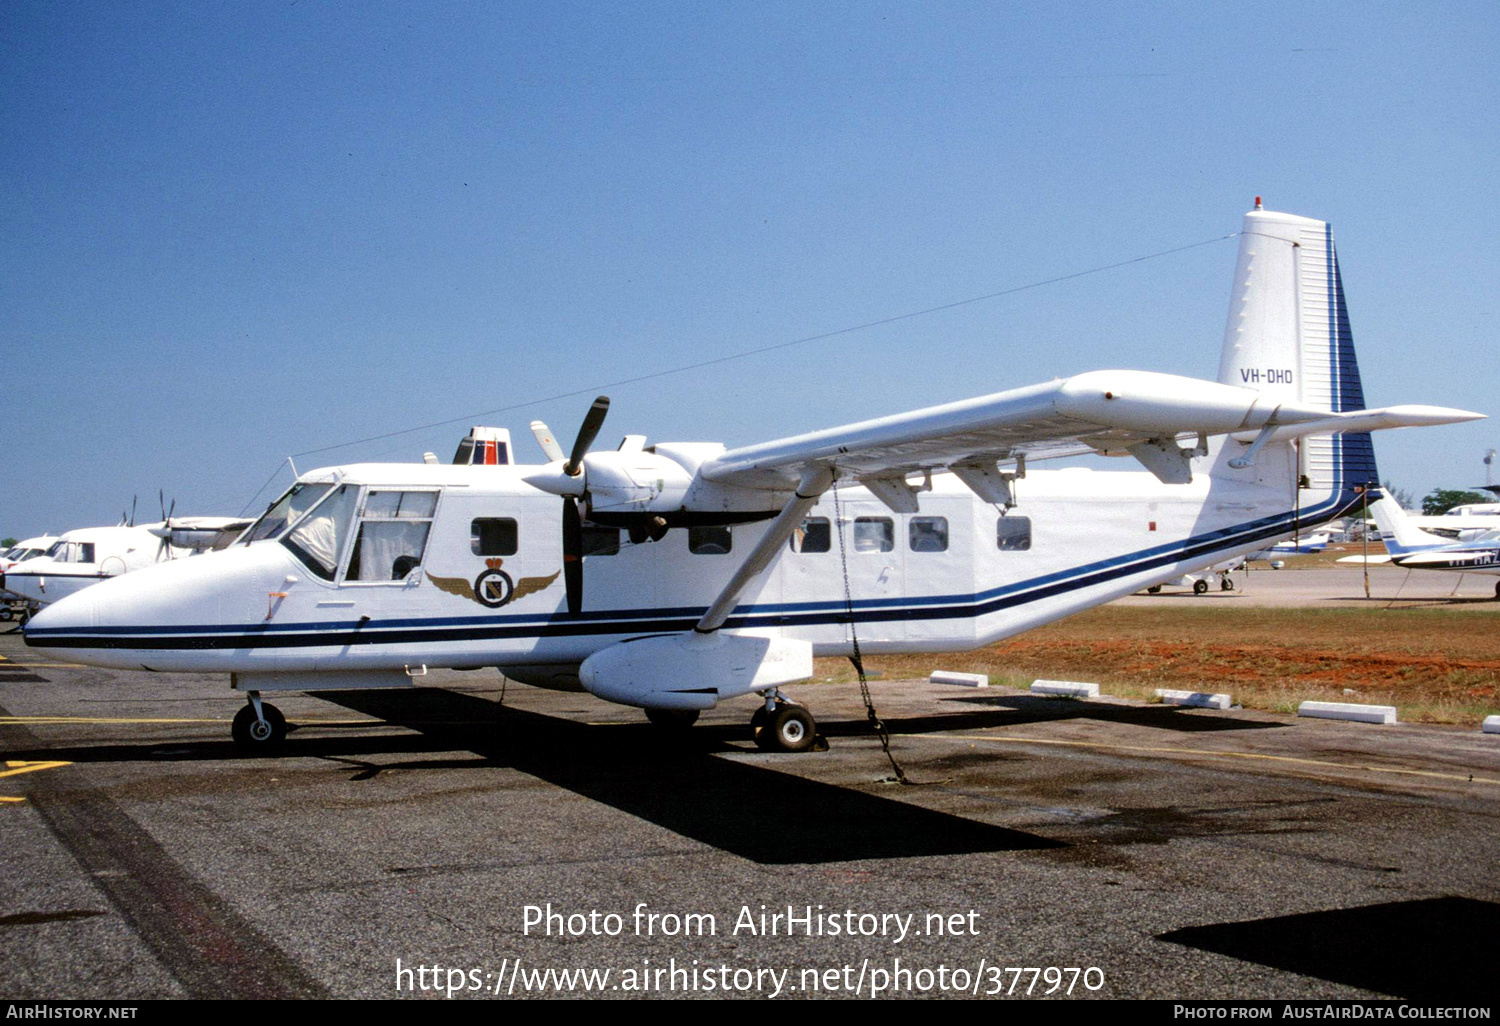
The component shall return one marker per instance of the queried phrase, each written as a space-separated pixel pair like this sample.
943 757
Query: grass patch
1434 665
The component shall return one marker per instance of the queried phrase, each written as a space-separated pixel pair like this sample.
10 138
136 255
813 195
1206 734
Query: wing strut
815 481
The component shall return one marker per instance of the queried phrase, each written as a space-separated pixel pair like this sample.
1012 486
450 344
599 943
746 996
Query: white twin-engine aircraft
84 557
675 576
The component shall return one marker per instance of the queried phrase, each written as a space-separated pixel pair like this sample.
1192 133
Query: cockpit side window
286 510
319 538
72 552
392 536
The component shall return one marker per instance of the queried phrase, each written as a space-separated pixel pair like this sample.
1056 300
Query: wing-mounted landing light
570 481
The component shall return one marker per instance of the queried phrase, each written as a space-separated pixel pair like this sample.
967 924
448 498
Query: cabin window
1013 534
493 536
392 536
601 541
815 535
709 541
319 538
874 534
928 534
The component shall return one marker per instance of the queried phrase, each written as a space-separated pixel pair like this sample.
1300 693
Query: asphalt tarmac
499 842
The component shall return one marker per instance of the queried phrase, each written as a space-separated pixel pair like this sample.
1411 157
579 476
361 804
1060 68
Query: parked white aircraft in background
1459 522
675 576
28 549
1304 543
88 555
13 606
1411 547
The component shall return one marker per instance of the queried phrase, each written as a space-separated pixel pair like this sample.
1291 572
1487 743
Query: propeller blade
543 435
166 535
573 554
592 422
132 510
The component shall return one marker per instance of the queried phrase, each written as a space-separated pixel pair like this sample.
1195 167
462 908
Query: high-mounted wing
1105 411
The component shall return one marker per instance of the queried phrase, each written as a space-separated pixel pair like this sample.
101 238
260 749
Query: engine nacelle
692 670
635 482
666 482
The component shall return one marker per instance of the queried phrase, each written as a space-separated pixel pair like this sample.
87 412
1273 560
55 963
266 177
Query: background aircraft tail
1401 535
1288 335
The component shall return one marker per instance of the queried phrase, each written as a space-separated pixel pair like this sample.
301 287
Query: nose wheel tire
791 728
255 735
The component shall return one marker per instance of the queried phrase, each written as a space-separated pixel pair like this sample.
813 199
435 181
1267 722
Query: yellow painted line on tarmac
21 720
33 720
1462 778
15 768
6 799
50 666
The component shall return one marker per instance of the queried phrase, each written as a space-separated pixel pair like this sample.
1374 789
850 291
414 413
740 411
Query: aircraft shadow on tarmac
1019 709
757 813
1427 950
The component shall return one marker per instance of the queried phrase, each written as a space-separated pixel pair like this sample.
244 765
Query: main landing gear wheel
1199 587
253 734
1225 584
1497 590
672 719
790 728
1155 589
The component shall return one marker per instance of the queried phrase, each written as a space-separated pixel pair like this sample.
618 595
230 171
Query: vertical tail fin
1401 535
1288 335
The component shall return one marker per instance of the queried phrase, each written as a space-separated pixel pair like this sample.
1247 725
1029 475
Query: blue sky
234 232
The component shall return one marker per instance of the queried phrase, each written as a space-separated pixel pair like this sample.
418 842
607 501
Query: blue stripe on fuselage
682 618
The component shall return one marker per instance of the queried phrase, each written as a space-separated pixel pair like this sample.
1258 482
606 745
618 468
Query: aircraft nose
76 612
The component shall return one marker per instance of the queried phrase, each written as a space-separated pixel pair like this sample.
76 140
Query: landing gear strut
783 726
258 727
